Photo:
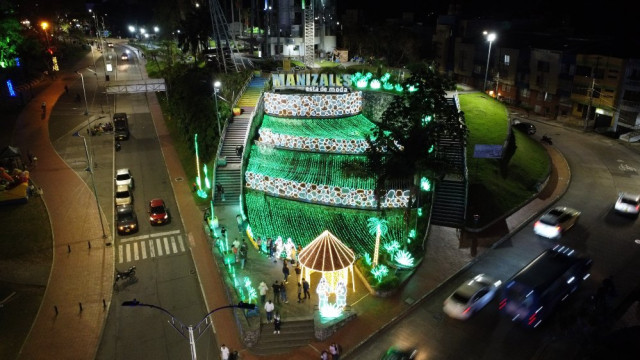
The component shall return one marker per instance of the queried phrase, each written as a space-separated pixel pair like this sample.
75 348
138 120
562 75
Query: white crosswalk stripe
151 248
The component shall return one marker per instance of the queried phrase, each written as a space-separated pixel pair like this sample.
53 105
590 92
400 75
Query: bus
533 292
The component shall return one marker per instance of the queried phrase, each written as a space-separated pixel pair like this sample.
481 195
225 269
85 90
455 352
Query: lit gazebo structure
333 259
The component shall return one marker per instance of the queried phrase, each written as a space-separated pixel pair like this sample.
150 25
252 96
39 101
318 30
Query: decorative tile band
313 105
314 144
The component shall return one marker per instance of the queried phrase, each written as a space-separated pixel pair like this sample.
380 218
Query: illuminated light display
375 84
425 184
391 247
12 92
404 258
334 260
379 228
379 272
367 258
201 193
55 64
313 105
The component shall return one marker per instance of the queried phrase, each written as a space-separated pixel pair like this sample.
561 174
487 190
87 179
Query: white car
556 221
123 177
471 296
124 196
628 204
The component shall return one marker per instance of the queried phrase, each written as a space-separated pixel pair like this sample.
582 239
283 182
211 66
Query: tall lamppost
90 170
132 29
84 91
187 331
44 26
216 89
490 37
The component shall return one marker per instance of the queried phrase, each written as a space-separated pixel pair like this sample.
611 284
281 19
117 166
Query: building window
525 93
507 59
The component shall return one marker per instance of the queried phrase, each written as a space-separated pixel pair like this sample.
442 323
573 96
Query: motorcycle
129 274
546 139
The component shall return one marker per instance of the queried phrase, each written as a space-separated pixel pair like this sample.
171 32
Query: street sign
481 151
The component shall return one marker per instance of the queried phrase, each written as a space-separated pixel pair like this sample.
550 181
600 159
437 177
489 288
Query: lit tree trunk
376 251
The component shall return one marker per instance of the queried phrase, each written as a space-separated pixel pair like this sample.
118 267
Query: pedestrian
263 289
276 292
30 157
270 247
335 353
285 271
223 231
236 243
243 256
269 307
283 293
305 288
66 89
259 243
300 293
324 355
224 352
222 193
297 270
276 324
235 253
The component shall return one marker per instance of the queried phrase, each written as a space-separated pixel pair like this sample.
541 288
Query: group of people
334 350
240 251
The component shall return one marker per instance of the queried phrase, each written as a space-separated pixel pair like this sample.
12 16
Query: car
158 212
471 296
126 220
124 196
526 127
627 204
556 221
124 57
110 44
395 353
124 177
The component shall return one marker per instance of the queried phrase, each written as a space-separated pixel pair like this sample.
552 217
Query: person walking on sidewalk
297 270
263 289
243 255
305 288
224 352
285 271
276 292
334 351
269 307
300 293
283 293
276 323
324 355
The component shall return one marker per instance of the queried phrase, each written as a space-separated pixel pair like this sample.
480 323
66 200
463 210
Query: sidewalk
72 314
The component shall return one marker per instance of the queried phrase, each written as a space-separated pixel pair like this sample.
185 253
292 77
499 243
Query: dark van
534 292
121 126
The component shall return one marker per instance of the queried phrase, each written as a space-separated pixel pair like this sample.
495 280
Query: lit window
507 58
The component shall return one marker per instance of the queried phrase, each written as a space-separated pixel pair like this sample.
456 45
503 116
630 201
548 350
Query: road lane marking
159 245
144 250
152 250
120 253
166 245
174 245
181 243
135 252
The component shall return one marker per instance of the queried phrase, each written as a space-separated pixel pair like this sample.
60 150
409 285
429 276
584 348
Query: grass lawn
490 194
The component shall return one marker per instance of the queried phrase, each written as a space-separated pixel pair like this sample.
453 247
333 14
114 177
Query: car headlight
120 227
133 226
166 216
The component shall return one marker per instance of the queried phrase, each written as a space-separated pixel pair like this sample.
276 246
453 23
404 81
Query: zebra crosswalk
150 246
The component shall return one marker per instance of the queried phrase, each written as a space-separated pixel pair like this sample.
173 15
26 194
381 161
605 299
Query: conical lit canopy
326 253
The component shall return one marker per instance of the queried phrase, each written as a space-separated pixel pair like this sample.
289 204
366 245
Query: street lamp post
45 25
188 331
216 89
95 191
84 91
490 38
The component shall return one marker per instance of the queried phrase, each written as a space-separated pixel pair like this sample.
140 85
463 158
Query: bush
388 283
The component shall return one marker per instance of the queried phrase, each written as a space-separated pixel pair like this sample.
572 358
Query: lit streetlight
188 331
156 29
490 37
44 26
216 89
132 30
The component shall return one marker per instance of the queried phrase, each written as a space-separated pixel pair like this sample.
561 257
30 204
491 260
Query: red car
158 212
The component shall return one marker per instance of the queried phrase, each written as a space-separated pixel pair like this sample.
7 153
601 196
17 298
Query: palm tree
377 227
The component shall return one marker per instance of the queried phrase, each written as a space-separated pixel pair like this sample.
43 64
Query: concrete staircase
229 168
293 334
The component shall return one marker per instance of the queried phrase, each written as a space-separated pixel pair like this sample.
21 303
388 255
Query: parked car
158 212
627 204
556 221
124 177
395 353
124 196
471 296
526 127
126 219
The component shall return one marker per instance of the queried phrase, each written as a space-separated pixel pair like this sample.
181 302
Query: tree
403 142
10 40
195 31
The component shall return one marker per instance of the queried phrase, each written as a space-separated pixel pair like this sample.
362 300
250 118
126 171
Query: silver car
628 204
124 177
124 196
471 296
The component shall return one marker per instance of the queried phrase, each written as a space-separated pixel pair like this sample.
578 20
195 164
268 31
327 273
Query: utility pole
591 90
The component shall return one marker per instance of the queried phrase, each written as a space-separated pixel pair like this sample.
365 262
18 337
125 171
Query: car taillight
467 310
536 224
502 304
558 228
532 319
